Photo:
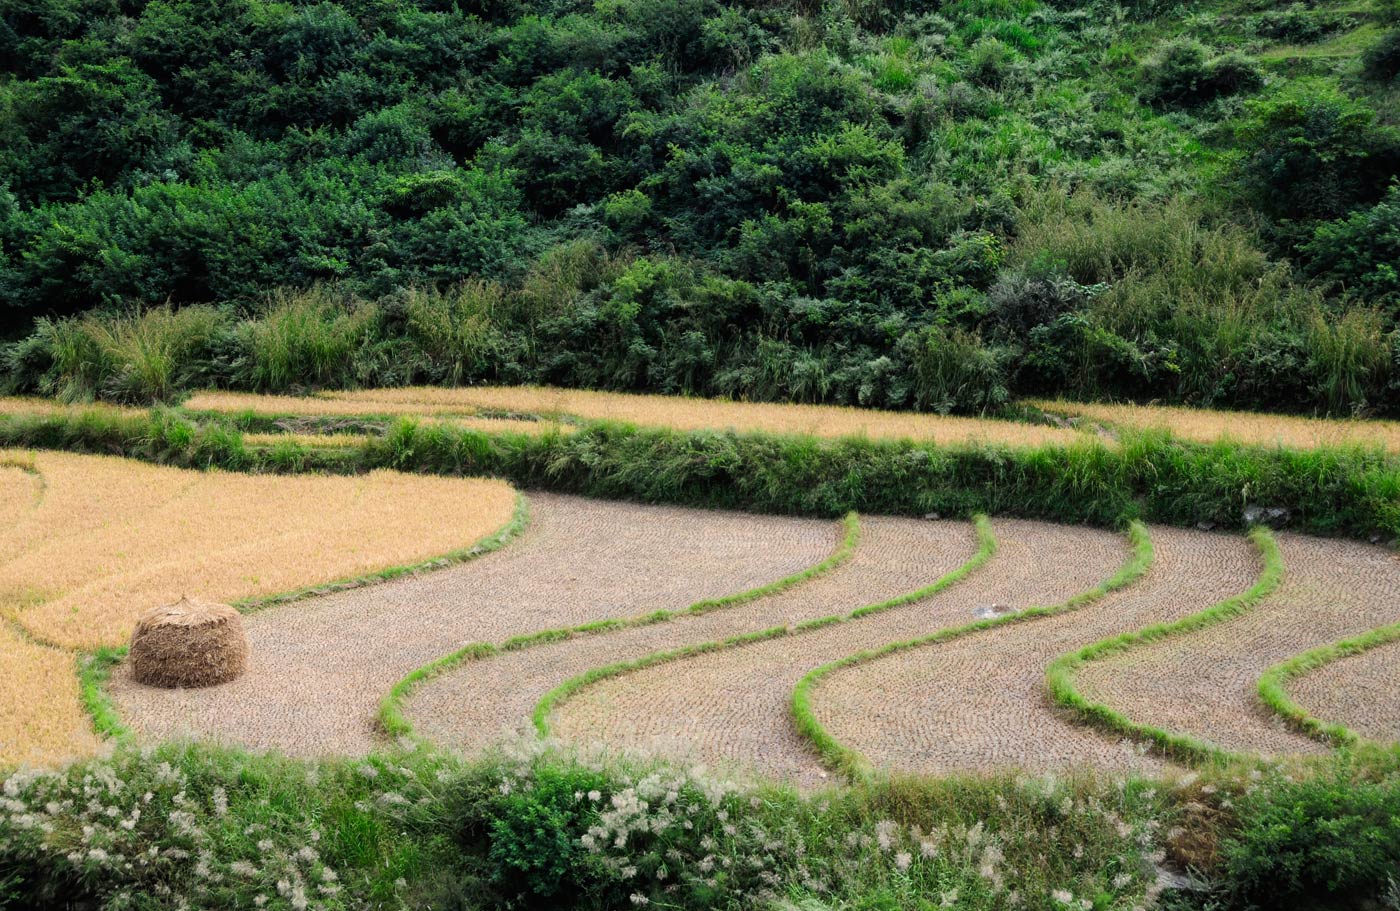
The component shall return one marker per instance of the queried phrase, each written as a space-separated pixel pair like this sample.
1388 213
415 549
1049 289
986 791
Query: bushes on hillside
1186 73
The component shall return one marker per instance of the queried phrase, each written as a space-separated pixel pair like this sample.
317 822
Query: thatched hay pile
188 644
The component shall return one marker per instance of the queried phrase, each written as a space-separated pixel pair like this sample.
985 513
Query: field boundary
395 723
851 762
1065 694
1273 686
986 548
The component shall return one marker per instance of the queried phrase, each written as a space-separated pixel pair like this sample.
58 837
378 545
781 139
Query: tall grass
137 357
309 339
455 330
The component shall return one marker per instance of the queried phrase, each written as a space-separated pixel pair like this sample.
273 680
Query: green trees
795 199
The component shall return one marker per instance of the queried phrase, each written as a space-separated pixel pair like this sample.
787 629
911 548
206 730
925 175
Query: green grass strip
986 547
1060 682
851 762
1274 682
396 724
94 670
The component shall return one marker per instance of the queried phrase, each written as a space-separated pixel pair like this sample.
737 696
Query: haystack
189 643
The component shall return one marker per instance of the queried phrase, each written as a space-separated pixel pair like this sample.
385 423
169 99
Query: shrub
1326 842
951 370
1382 59
1361 252
1184 73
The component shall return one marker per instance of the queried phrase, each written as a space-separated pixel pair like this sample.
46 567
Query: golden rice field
671 412
14 405
1206 426
89 542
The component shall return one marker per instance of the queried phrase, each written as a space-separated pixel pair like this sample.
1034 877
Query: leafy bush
1382 59
1360 253
1185 73
1325 842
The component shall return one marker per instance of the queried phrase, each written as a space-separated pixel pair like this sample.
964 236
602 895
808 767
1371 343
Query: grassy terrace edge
1273 686
1352 491
395 723
986 548
851 762
1065 694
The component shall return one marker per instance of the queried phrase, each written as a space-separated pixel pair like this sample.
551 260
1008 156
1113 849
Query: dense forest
877 202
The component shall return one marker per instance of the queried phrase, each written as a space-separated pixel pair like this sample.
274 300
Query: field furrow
1204 683
977 702
473 705
318 668
732 706
1358 691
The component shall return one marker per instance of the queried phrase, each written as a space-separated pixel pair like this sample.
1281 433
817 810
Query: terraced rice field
1358 692
89 542
669 412
1206 426
1203 683
318 669
673 631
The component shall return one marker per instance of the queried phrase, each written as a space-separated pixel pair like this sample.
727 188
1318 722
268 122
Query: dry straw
190 643
1202 425
662 411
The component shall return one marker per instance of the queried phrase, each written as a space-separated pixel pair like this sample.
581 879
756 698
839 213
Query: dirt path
475 704
1360 691
319 667
1203 683
978 702
732 706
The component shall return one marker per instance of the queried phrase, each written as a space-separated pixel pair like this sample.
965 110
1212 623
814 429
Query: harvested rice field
1203 683
677 632
671 412
1206 426
318 668
1358 692
89 542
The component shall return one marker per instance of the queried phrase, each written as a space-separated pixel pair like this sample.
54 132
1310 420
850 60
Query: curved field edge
1273 686
95 667
1065 694
849 761
986 548
396 724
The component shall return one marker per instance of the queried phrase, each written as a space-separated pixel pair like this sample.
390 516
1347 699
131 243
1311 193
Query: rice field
89 542
564 406
1203 425
934 638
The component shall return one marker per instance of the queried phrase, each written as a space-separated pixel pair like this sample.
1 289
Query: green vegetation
1060 682
865 203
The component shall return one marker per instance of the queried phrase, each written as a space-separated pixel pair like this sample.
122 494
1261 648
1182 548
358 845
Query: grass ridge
986 548
1273 684
395 724
851 762
1065 694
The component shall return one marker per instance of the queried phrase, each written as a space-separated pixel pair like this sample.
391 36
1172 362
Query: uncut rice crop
1207 426
90 542
14 405
673 412
324 405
